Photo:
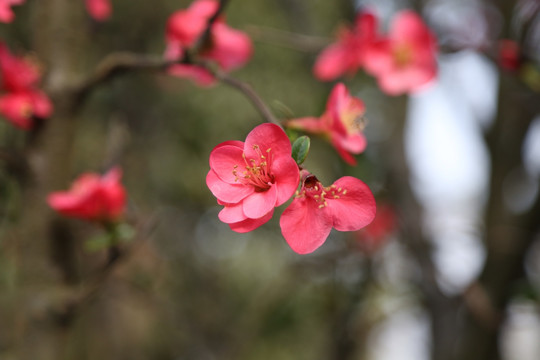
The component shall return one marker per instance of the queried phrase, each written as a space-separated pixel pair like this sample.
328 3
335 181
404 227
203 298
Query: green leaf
99 242
300 149
125 232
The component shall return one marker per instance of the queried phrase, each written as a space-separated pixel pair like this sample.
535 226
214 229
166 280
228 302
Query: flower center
402 55
314 189
354 121
256 171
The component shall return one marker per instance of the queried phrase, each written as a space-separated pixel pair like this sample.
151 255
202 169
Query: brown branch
248 91
123 62
118 63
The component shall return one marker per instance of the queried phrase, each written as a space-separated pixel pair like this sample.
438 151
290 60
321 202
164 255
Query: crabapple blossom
92 197
346 205
23 101
99 10
6 13
405 60
341 123
20 107
251 178
349 52
227 47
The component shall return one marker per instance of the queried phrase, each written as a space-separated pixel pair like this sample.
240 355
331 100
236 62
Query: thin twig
299 42
248 91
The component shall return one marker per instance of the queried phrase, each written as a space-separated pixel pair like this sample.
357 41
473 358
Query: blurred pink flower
251 178
21 107
346 205
18 73
23 101
229 48
92 197
99 10
341 123
349 52
405 61
6 14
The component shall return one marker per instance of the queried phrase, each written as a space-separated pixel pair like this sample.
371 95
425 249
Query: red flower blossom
18 73
341 123
92 197
509 56
349 53
229 48
347 205
24 101
251 178
99 10
406 60
21 107
6 14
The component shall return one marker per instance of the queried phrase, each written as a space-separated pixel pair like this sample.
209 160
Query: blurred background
448 270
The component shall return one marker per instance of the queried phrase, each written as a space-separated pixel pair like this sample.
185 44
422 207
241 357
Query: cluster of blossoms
403 61
23 102
251 178
227 47
92 197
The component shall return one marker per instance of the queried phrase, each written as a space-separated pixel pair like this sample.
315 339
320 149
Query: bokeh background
453 274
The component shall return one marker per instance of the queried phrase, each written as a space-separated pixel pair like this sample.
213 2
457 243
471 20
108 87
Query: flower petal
232 213
310 124
353 209
267 136
250 224
304 225
332 62
231 48
224 159
226 192
258 204
287 176
197 74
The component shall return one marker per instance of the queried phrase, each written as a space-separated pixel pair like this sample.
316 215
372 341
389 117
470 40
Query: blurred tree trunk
442 309
508 234
46 248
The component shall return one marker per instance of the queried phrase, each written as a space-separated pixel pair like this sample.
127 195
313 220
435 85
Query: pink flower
341 123
6 14
92 197
349 53
346 205
229 48
20 108
251 178
23 101
406 60
18 73
99 10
